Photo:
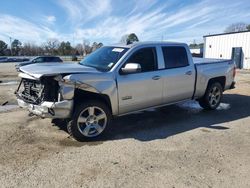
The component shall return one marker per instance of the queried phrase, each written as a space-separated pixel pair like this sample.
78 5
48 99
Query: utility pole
10 46
73 42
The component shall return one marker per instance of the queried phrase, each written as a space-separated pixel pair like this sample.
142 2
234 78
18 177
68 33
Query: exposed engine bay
36 91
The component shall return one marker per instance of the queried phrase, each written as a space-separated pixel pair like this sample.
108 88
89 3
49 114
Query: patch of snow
6 108
8 83
190 105
195 105
223 106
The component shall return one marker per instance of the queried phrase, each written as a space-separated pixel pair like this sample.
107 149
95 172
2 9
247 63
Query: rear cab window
175 56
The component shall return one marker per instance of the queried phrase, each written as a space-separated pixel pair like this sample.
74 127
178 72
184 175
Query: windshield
104 58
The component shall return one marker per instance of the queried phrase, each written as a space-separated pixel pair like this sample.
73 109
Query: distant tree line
195 45
51 47
55 47
236 27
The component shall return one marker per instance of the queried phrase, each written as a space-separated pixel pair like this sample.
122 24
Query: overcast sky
107 20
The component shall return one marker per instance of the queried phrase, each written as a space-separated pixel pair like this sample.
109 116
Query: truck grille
32 91
35 92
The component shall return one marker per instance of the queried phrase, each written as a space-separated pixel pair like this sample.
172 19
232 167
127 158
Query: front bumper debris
60 109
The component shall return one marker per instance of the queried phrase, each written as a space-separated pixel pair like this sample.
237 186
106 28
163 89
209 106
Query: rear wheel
212 98
90 121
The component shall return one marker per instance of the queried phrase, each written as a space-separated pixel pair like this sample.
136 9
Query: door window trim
136 50
180 46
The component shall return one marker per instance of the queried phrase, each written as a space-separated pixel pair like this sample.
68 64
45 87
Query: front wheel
90 121
212 98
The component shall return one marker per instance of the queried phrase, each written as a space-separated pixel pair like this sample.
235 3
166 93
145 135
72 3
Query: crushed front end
44 97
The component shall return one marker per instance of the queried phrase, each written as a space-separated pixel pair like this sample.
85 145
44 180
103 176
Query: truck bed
207 69
201 61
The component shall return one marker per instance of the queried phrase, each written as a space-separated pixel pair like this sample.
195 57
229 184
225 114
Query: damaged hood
49 69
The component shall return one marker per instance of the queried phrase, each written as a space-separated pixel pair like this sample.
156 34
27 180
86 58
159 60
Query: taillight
234 71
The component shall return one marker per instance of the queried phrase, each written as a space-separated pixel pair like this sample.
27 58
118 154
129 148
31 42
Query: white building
234 46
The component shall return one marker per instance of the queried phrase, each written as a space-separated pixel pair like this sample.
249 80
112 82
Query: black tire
205 101
59 122
75 128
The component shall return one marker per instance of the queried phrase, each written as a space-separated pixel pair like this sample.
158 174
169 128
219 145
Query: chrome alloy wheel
92 121
214 96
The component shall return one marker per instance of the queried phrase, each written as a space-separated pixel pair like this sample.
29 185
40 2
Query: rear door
179 74
143 89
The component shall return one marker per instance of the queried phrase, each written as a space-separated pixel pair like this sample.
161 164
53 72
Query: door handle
189 73
156 77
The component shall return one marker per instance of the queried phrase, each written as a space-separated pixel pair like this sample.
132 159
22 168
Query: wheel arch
220 79
81 95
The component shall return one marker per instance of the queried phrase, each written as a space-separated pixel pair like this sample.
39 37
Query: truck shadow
175 119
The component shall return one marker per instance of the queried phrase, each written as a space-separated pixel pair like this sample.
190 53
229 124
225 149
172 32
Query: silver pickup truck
119 79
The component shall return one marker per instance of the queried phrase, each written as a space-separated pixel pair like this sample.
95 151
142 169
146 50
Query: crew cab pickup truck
120 79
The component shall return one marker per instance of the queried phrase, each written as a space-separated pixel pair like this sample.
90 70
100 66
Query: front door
140 90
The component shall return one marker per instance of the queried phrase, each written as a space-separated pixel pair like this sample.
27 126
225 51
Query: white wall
221 45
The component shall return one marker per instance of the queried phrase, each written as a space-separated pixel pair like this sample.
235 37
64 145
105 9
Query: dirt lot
178 146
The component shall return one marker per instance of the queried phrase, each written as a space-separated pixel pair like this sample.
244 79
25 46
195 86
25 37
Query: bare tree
30 49
236 27
79 48
51 46
86 47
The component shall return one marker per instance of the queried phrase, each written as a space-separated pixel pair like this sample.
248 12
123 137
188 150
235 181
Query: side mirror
131 68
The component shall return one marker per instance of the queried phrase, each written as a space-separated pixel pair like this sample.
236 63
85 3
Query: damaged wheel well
81 95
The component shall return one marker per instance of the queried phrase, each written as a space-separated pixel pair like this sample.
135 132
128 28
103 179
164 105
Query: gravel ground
176 146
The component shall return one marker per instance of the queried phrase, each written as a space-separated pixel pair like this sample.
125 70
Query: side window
38 60
46 59
51 59
175 56
146 57
57 59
